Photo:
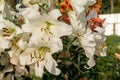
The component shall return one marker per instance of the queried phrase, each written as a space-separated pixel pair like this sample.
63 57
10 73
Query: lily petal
39 68
51 65
27 57
55 13
56 45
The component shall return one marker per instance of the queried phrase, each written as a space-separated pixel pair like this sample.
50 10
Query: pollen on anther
31 57
42 39
37 64
51 33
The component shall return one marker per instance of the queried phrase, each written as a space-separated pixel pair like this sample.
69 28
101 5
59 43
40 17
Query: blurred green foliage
106 6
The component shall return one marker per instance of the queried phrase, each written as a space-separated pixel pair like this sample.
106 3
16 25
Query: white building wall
112 22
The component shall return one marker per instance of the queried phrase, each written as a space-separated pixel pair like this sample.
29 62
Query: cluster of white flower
38 33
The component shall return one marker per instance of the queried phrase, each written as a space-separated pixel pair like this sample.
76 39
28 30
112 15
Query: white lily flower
29 13
49 63
78 28
49 26
79 22
44 41
19 44
88 43
47 32
42 58
8 29
84 33
54 43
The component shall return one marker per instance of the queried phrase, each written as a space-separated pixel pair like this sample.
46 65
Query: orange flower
97 6
65 6
117 55
95 22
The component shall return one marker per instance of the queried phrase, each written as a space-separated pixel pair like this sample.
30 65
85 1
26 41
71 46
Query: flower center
39 54
8 31
47 27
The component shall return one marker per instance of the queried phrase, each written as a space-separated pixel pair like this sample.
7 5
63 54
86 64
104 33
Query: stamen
42 29
48 39
31 57
42 39
34 51
6 34
41 59
37 64
51 33
4 28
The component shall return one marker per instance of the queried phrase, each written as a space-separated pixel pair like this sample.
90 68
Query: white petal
26 57
4 44
22 44
26 2
51 65
1 75
14 60
55 13
88 39
79 9
12 51
92 14
89 51
78 24
39 68
91 2
30 13
20 70
103 53
8 68
91 63
31 27
79 2
56 45
100 30
78 5
61 29
38 39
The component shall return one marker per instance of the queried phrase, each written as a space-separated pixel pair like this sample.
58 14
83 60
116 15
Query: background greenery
106 9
